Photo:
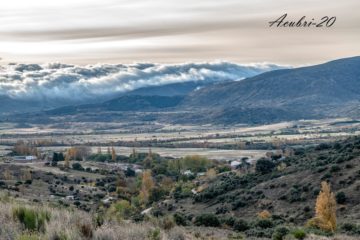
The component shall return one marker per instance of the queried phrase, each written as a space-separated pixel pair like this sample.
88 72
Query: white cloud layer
55 81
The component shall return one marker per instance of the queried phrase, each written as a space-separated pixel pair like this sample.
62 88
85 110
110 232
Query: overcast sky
171 31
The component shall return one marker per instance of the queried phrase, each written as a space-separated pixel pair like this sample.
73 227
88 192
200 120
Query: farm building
24 158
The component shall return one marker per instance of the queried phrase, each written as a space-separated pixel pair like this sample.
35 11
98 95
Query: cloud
54 81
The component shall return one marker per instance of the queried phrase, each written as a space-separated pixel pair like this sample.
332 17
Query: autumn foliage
147 183
264 214
325 217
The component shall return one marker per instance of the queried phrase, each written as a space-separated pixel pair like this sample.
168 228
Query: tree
67 159
134 155
325 216
55 157
264 166
211 173
27 175
22 148
113 154
340 198
129 172
61 157
147 184
77 166
148 160
8 175
108 151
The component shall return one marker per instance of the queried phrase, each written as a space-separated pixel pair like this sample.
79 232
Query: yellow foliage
67 159
147 183
113 154
281 167
264 214
27 175
325 216
211 173
8 175
167 183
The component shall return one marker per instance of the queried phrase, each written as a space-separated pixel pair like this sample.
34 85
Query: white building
29 158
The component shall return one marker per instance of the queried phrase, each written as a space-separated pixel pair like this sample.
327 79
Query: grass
31 218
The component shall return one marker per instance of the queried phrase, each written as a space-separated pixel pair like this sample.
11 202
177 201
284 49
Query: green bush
340 198
299 234
350 228
77 166
264 166
123 209
335 168
280 233
28 237
32 219
240 225
155 234
180 219
260 233
208 220
264 223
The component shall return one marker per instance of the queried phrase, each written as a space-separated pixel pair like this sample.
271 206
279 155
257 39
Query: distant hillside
141 103
123 103
174 89
325 90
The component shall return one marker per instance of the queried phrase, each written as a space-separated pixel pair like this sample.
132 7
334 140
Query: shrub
264 223
124 209
259 233
264 166
208 220
238 204
240 225
335 168
299 234
77 166
264 214
280 233
28 237
167 223
86 229
29 181
155 234
129 172
350 228
32 219
180 219
340 197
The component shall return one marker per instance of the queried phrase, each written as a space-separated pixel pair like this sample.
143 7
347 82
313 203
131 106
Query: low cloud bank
78 83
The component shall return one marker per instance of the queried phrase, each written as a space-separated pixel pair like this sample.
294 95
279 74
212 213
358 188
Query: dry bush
176 233
127 231
336 237
64 225
9 229
265 214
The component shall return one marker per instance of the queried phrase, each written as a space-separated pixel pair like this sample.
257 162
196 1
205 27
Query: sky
173 31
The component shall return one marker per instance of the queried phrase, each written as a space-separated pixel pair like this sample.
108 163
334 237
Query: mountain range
326 90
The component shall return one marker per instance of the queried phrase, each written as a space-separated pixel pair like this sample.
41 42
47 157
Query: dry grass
336 237
65 224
